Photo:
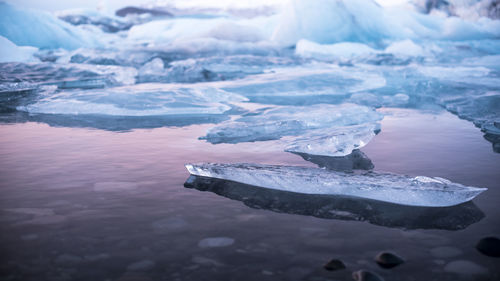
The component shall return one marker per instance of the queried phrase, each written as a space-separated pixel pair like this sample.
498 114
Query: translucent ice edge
393 188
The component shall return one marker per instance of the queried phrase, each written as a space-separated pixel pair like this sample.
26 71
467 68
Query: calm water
85 204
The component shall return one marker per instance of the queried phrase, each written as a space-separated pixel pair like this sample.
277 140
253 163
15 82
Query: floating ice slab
139 100
398 189
275 123
339 141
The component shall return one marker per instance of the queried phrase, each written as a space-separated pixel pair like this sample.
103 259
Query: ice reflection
343 207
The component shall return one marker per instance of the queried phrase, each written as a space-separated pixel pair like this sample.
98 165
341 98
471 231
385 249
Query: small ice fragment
338 141
393 188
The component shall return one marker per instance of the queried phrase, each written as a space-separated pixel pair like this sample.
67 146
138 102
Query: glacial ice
68 76
91 17
335 141
306 85
139 100
10 52
40 29
393 188
214 68
328 22
274 123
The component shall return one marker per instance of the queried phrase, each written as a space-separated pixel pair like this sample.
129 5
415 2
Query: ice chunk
139 100
221 28
272 124
9 52
85 16
40 29
483 110
308 84
213 68
309 49
398 189
67 76
342 207
357 160
369 99
328 21
335 141
405 47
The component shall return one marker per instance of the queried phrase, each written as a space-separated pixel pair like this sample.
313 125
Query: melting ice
307 74
399 189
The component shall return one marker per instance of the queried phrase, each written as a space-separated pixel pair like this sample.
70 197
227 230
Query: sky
112 5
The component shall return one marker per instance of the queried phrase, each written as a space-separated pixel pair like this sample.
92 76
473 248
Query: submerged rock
334 264
363 275
489 246
388 260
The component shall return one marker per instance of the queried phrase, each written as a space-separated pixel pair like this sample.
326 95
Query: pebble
144 265
212 242
388 260
334 264
364 275
465 267
489 246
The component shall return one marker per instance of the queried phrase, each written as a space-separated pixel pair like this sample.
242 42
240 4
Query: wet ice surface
398 189
99 115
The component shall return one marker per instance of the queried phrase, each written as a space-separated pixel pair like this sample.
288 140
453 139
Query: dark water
83 204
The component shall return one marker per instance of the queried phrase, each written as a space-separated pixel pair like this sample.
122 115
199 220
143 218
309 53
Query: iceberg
362 21
336 141
25 27
10 52
91 17
393 188
274 123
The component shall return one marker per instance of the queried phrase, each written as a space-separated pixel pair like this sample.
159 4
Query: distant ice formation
40 29
393 188
10 52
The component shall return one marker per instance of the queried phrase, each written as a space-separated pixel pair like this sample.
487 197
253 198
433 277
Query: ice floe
393 188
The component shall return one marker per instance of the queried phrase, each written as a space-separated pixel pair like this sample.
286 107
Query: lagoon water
100 114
